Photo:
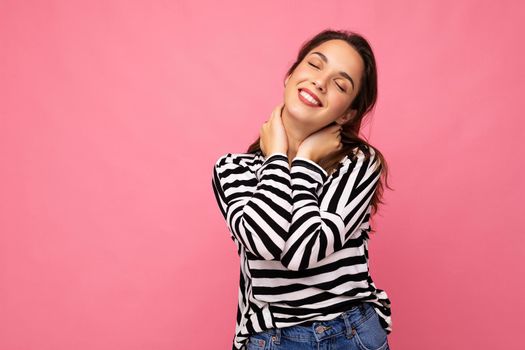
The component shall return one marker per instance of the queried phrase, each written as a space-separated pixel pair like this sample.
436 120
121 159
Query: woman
298 206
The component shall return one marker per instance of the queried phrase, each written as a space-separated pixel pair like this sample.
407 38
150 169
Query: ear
346 117
286 80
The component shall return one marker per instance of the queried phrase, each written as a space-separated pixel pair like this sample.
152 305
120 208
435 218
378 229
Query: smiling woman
298 206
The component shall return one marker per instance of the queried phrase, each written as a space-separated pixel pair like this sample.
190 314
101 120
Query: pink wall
112 114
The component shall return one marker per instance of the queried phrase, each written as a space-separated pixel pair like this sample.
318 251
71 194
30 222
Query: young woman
298 206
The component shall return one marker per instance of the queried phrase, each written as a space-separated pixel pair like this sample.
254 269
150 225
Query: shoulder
366 155
239 159
363 150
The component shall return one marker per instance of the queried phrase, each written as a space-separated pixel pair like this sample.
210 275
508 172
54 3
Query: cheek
300 73
340 103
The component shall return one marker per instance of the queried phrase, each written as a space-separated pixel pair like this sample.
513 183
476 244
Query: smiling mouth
309 99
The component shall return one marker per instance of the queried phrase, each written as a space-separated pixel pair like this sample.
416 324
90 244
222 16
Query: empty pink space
112 114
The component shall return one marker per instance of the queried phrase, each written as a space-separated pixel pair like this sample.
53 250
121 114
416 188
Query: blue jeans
357 328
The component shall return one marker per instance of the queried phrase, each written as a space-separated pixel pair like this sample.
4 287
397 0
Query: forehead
341 56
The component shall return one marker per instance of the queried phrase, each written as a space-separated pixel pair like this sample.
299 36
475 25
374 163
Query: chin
305 119
297 113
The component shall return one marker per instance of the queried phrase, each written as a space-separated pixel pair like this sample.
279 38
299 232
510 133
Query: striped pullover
302 238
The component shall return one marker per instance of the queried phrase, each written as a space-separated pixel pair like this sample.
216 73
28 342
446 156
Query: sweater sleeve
257 206
316 231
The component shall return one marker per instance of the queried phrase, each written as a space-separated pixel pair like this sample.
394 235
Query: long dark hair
364 102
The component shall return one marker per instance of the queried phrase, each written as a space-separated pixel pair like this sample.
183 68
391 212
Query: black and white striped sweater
301 235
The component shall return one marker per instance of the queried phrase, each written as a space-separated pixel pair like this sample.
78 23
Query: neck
295 131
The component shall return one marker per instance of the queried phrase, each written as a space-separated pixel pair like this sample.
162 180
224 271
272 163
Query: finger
277 110
272 117
336 128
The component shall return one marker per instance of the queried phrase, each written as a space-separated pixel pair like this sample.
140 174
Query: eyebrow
324 58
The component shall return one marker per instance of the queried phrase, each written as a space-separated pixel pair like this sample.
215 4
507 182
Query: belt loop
276 338
348 327
362 308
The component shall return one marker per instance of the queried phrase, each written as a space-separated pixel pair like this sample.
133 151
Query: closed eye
340 88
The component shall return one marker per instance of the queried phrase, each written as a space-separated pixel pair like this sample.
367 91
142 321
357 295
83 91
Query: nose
320 84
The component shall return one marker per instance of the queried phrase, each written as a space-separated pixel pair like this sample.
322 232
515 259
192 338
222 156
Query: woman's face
322 87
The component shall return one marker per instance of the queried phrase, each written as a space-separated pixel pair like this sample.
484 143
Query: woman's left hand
321 143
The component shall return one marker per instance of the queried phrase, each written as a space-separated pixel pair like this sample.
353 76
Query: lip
311 94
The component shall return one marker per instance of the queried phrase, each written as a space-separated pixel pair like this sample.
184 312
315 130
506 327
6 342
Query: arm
257 206
318 231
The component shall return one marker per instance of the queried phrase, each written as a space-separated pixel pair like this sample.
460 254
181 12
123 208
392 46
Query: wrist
305 154
275 151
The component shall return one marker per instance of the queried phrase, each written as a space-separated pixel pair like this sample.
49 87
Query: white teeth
308 97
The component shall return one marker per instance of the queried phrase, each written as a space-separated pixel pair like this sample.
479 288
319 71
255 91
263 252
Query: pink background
112 114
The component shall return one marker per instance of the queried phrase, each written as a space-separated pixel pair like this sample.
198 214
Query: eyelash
340 88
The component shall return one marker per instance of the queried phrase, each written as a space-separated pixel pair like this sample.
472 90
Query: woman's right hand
273 136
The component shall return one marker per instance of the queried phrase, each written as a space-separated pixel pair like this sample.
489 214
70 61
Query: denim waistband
345 323
348 307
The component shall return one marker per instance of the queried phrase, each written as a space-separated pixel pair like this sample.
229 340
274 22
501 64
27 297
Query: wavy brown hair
364 102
